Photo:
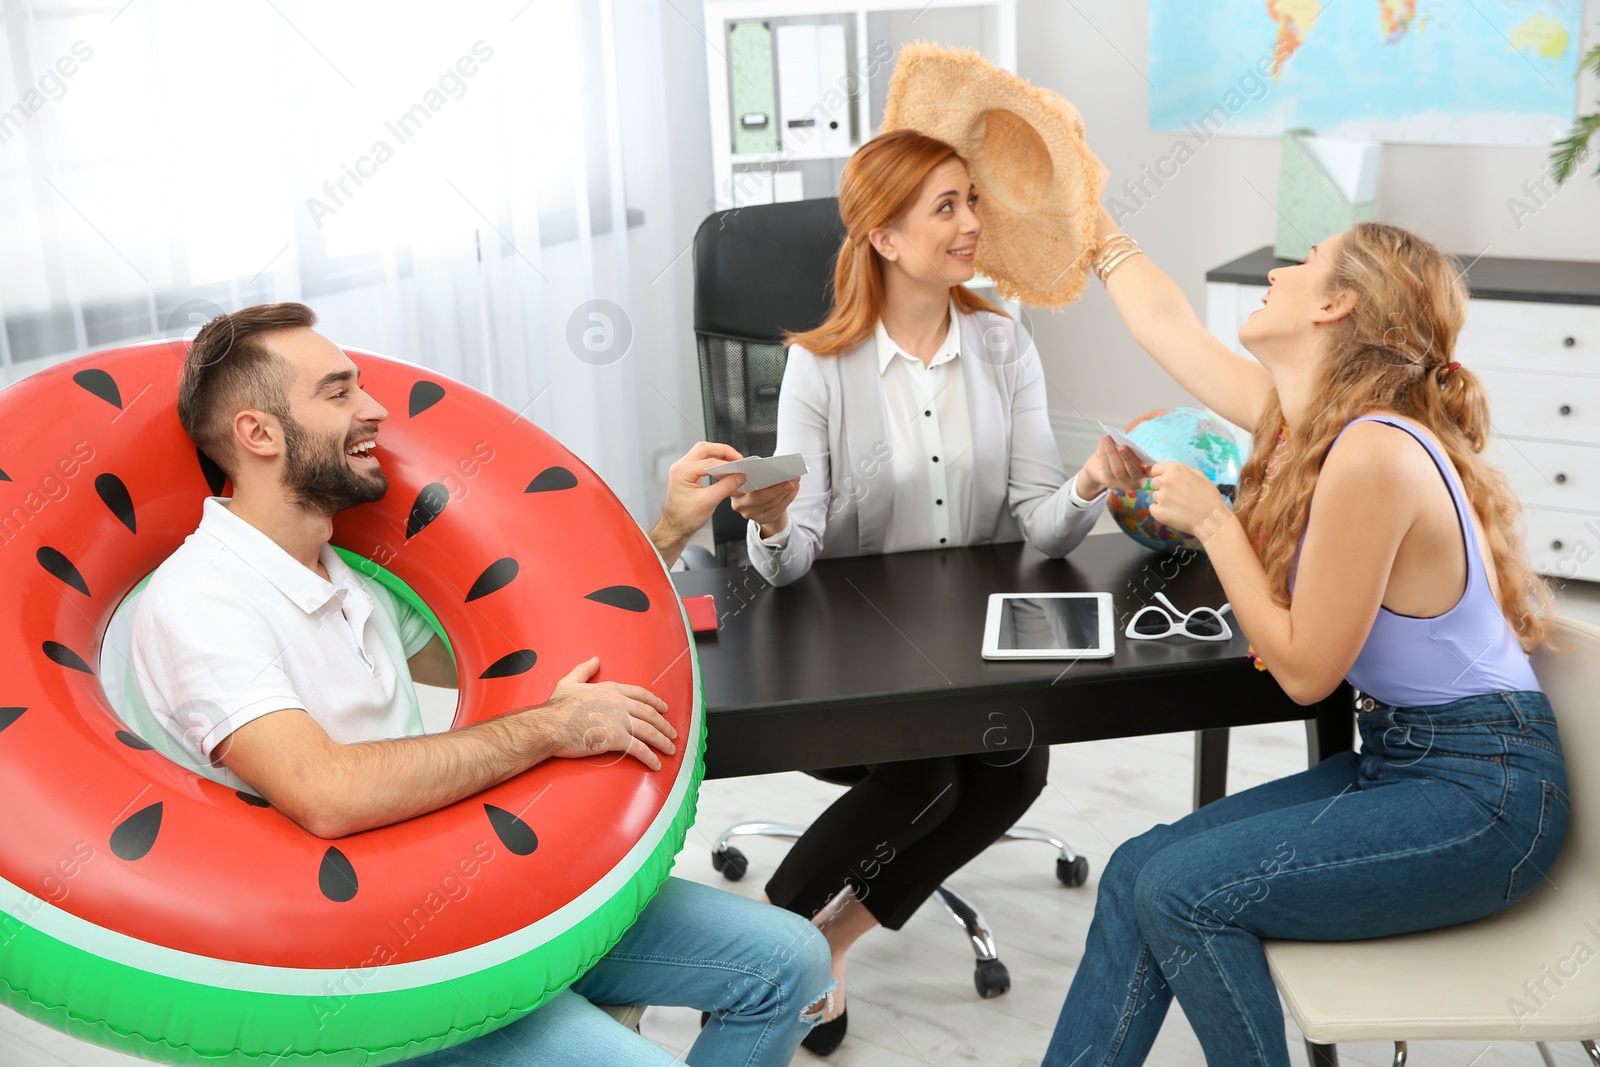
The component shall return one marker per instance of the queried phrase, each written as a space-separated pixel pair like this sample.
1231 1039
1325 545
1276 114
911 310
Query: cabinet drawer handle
1561 479
1555 545
1566 409
1568 342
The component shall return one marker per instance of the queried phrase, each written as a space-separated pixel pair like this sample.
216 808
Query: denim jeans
756 967
1448 813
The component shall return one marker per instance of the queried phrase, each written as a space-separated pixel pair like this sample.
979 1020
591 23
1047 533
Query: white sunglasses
1155 621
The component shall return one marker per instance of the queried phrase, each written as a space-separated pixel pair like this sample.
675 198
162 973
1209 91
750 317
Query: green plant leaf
1591 61
1565 157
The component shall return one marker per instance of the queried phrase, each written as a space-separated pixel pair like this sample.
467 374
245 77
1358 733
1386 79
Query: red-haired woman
920 408
1373 542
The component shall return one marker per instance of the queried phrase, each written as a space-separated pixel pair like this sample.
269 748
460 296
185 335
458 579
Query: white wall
688 131
1094 55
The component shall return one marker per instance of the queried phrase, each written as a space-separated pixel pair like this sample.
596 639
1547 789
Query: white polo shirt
231 628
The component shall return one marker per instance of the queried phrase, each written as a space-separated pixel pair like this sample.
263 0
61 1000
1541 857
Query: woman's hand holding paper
1111 466
768 508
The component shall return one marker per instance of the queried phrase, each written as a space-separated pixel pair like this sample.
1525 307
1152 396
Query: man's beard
318 477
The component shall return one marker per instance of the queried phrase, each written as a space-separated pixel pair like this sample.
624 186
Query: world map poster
1500 72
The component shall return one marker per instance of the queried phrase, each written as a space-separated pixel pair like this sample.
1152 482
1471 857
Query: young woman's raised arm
1162 322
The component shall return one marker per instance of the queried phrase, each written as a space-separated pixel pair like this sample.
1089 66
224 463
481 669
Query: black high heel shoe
825 1038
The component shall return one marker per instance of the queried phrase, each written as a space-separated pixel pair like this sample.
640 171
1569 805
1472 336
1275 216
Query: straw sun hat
1039 183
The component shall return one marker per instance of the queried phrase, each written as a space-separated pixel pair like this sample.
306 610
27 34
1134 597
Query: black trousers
905 828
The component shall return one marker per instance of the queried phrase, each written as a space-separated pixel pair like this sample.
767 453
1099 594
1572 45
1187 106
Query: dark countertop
1544 281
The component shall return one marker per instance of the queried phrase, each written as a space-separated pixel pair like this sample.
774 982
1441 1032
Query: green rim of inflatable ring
340 1026
396 585
300 1029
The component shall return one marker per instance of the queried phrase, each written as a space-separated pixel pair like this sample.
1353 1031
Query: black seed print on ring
66 657
429 506
136 835
134 741
59 566
100 384
214 475
495 577
337 877
424 394
552 479
115 496
626 597
514 663
513 833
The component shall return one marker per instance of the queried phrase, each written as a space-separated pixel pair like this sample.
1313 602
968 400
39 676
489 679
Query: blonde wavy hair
1392 353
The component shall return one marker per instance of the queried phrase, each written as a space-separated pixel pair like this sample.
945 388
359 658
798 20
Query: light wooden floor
911 994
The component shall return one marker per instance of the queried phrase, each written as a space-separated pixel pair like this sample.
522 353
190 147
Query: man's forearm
376 783
669 540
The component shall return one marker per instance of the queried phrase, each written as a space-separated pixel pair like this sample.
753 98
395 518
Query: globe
1190 436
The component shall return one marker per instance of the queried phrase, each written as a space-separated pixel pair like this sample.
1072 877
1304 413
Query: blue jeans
756 967
1448 813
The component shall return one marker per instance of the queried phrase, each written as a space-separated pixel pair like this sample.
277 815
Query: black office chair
759 272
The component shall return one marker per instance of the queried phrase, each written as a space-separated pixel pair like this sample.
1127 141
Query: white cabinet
1532 336
1540 365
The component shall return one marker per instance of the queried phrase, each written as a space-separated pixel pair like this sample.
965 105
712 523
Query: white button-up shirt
931 434
930 431
231 628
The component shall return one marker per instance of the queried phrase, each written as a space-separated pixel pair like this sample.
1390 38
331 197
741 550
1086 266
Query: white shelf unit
989 26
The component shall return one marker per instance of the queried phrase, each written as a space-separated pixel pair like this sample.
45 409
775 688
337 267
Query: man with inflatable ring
281 409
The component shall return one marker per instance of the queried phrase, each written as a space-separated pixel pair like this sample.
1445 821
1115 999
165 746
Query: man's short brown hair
229 368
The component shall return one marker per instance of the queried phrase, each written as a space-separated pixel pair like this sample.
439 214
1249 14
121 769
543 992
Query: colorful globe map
1177 435
1445 71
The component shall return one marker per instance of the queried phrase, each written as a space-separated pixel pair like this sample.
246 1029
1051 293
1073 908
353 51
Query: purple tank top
1469 650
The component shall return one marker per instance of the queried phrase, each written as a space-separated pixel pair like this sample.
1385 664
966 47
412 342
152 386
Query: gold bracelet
1119 259
1112 251
1116 261
1116 240
1112 258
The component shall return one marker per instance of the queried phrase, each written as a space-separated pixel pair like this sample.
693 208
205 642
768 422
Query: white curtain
478 188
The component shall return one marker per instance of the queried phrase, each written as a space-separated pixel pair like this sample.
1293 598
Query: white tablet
1049 626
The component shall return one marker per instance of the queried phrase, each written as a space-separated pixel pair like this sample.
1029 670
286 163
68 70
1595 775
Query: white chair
626 1014
1530 973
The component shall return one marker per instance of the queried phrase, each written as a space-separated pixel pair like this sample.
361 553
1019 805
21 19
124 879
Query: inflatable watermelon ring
160 913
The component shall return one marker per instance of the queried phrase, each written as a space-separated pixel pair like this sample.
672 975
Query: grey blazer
831 410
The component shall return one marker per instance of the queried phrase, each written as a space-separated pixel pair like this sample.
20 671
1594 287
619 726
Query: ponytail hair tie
1449 369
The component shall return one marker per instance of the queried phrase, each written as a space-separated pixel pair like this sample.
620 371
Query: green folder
751 88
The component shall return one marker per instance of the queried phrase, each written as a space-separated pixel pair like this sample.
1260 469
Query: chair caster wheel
1072 872
991 978
731 862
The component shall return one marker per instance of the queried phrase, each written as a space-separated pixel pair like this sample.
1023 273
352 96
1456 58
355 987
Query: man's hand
593 718
768 508
335 789
689 504
1111 466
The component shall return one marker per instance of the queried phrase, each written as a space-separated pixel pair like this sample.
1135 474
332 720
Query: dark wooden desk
878 658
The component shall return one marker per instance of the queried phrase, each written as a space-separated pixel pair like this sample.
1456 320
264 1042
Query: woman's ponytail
1464 402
